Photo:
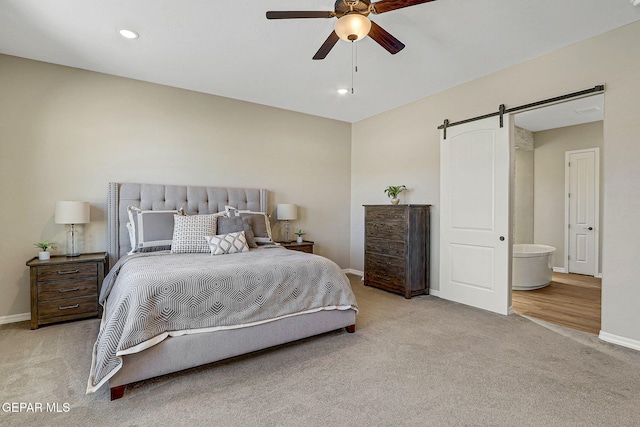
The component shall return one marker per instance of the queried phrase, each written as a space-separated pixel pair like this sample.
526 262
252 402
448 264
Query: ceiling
567 113
228 48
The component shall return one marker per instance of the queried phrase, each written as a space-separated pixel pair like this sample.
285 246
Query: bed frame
188 351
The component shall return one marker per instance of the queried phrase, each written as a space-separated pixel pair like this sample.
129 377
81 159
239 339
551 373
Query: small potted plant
393 191
45 247
299 233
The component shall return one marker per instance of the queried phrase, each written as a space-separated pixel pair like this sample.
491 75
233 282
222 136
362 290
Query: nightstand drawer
305 246
67 307
69 289
68 271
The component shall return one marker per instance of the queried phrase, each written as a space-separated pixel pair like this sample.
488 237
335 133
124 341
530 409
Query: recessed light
343 91
128 34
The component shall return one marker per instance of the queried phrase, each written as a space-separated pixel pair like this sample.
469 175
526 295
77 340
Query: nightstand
305 246
66 288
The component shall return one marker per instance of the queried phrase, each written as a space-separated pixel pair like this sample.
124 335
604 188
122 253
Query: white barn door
475 234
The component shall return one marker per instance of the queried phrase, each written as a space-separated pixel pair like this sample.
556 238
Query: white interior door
475 233
583 189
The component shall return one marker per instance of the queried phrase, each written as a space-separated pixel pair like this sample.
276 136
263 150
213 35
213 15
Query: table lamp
72 213
287 212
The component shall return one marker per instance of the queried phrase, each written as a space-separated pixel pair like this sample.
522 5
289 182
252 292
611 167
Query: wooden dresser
66 288
396 248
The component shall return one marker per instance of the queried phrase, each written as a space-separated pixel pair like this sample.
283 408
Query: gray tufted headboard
194 200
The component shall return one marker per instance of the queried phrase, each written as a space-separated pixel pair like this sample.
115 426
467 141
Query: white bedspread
152 296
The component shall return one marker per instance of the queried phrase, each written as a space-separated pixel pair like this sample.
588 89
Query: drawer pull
68 290
383 278
69 271
69 306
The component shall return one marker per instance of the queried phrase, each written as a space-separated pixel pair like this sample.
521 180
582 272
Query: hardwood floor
570 300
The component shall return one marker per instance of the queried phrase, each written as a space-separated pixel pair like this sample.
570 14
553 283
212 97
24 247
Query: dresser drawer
387 264
386 247
393 229
70 307
69 289
385 213
385 279
68 271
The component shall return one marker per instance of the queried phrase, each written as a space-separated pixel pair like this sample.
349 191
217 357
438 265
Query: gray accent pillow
259 223
228 225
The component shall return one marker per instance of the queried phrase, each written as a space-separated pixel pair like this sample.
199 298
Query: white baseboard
352 271
434 292
15 318
615 339
564 270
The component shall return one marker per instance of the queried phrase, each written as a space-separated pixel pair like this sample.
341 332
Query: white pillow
231 243
189 233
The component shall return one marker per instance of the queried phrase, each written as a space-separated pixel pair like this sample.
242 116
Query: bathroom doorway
541 139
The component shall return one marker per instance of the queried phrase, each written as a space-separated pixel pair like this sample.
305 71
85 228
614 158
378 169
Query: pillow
259 223
189 233
150 230
226 225
230 243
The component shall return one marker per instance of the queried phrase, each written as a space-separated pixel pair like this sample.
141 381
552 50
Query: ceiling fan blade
299 14
388 5
326 47
384 39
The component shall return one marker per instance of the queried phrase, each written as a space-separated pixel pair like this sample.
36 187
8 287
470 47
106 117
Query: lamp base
73 248
287 239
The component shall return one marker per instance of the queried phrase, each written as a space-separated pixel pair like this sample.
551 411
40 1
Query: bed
167 309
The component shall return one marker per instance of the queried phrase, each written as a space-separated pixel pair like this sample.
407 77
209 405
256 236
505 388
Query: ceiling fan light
128 34
352 27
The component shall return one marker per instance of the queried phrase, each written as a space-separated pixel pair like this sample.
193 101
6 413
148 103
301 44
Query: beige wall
523 197
65 133
522 191
549 180
410 132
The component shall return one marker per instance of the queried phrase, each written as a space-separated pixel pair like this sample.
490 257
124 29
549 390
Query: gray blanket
151 296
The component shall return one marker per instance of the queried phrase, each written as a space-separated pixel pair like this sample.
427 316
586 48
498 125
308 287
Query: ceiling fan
352 23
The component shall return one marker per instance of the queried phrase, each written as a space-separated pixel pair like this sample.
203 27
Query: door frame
596 226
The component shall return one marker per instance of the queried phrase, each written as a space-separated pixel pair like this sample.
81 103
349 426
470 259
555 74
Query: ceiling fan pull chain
354 65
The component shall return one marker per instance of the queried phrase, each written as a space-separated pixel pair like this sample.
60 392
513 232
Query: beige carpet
414 362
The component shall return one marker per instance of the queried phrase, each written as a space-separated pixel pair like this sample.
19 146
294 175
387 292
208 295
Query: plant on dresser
45 247
64 288
396 254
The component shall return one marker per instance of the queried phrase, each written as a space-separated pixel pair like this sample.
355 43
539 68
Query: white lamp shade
352 27
72 212
287 212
